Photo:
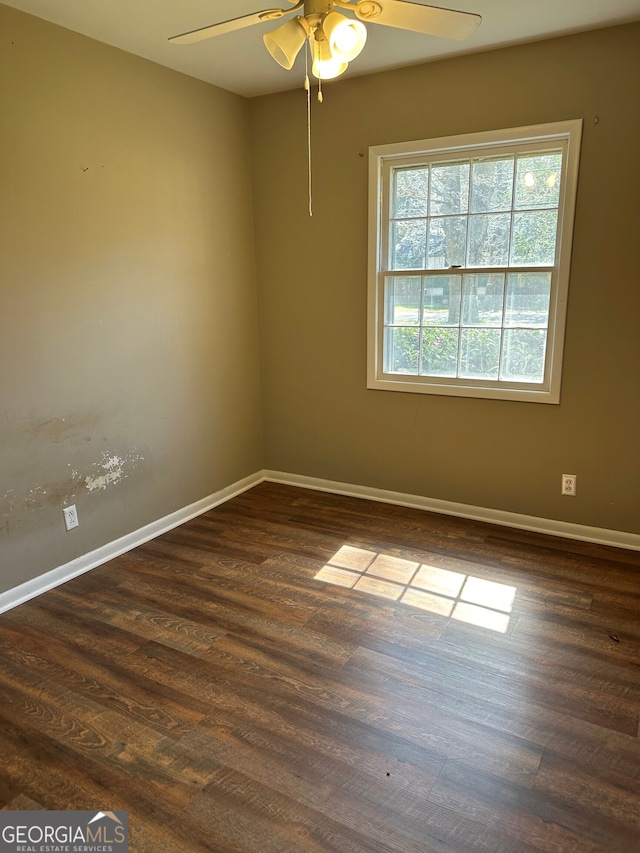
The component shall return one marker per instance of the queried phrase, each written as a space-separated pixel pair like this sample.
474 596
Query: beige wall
129 378
319 418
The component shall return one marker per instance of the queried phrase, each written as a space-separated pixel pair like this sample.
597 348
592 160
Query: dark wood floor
209 684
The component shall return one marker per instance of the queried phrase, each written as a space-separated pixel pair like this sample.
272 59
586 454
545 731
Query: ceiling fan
335 39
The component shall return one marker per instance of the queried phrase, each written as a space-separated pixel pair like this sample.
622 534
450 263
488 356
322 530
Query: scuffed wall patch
57 494
111 469
35 498
63 429
9 501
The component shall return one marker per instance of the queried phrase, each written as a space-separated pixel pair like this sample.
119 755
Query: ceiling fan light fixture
326 66
284 43
346 37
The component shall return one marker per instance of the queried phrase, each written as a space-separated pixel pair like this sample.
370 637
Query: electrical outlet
70 517
569 484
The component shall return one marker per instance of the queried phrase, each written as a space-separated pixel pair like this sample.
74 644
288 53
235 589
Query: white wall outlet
70 517
569 484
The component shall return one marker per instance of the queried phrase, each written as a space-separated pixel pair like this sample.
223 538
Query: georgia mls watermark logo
64 832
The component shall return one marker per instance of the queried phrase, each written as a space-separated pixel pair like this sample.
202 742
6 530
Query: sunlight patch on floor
486 604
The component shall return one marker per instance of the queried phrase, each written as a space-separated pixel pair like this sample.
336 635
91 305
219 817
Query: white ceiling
238 61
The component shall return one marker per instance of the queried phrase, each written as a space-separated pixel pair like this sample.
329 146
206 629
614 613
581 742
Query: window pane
492 185
402 300
482 300
408 243
528 299
439 352
411 191
449 188
447 242
402 346
442 300
534 238
523 355
466 236
479 353
489 240
538 180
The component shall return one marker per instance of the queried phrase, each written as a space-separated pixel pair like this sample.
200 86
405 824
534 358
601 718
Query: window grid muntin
503 328
515 152
562 134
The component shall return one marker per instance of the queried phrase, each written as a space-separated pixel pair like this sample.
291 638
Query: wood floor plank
223 616
535 821
52 775
219 687
23 803
112 688
360 803
243 815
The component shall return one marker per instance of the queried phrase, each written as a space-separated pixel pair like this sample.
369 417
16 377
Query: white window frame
564 135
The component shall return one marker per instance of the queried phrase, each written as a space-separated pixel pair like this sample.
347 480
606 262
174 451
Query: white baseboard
598 535
55 577
49 580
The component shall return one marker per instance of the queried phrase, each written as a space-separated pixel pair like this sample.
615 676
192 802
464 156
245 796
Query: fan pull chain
307 86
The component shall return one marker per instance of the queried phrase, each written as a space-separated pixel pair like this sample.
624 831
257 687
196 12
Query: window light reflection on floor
479 602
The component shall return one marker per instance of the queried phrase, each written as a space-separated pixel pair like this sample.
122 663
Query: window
470 243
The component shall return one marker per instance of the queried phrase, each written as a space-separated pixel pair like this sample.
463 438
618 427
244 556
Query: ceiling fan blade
229 26
431 20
